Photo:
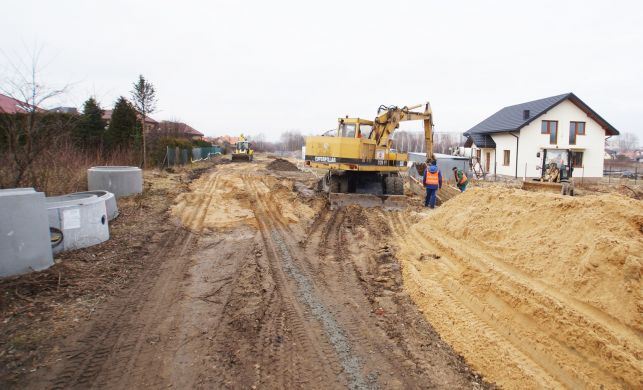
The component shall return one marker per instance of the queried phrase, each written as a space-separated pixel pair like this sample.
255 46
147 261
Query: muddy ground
249 281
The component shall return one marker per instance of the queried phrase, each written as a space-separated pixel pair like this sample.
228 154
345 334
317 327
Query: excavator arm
388 120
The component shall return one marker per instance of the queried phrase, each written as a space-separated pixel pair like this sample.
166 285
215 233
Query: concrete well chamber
121 181
81 219
110 201
24 232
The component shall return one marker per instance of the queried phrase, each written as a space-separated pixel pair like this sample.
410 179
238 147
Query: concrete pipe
82 219
24 232
110 201
121 181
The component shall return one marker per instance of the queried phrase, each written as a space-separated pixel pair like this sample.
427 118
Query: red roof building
180 129
10 105
150 123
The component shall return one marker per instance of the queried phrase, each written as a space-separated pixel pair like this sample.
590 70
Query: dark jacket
432 169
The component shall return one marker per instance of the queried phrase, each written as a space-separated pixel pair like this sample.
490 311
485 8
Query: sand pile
535 290
227 199
280 164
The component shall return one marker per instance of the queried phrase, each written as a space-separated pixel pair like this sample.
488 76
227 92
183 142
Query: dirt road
259 285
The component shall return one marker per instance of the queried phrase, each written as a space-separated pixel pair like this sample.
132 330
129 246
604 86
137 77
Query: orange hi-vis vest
432 178
464 178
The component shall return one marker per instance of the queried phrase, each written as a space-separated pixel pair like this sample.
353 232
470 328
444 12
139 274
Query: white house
518 140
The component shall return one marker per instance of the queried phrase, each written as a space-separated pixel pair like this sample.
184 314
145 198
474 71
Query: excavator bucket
241 157
387 202
556 188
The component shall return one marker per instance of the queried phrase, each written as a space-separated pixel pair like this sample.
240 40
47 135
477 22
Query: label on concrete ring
71 218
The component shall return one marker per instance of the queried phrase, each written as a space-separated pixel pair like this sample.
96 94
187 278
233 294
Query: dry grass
62 168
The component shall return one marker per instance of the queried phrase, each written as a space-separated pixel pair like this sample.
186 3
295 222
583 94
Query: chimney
525 114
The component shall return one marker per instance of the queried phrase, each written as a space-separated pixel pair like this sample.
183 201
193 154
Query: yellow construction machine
361 165
242 150
556 173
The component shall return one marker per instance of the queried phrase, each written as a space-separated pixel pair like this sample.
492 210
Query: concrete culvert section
24 232
110 201
119 180
82 219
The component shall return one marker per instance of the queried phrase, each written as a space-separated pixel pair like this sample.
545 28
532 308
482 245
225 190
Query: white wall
533 142
505 141
483 160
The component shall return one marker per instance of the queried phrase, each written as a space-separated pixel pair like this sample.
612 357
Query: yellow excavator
242 151
361 165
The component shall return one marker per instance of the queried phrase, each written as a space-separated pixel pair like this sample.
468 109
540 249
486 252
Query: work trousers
430 197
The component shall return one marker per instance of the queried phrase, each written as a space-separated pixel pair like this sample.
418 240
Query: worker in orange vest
432 182
460 179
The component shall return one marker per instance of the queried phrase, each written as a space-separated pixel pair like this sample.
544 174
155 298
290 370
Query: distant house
225 140
65 110
179 129
150 123
9 105
519 140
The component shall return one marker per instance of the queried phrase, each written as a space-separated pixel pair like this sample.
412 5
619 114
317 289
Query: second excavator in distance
361 165
242 151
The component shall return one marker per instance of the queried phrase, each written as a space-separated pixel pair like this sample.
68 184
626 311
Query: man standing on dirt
432 182
460 179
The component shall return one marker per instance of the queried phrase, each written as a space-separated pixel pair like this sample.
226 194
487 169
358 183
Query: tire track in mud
87 356
106 355
275 231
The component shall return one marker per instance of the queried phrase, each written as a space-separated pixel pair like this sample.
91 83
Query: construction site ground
238 275
231 276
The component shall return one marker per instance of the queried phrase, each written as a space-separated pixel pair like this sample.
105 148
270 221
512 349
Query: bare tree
258 142
28 130
144 99
627 142
292 140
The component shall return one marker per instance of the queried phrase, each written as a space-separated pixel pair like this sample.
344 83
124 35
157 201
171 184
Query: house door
488 162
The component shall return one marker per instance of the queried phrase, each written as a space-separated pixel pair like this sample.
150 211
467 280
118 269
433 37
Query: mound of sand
227 199
535 290
280 164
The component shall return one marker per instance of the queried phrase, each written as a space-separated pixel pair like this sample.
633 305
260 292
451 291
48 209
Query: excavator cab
354 128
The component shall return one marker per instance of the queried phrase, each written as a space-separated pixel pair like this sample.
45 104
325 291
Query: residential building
9 105
179 129
519 140
66 110
150 123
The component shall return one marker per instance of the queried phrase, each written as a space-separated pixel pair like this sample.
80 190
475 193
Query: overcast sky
227 67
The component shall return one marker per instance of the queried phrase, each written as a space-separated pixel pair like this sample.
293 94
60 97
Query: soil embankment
535 290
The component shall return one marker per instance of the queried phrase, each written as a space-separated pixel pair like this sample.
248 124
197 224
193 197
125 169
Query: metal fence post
636 172
609 174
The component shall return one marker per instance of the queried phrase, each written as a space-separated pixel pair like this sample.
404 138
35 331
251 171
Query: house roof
180 127
481 140
107 115
511 118
10 105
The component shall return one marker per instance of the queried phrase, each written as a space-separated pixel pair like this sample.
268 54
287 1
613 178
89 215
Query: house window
506 158
551 128
577 159
575 128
